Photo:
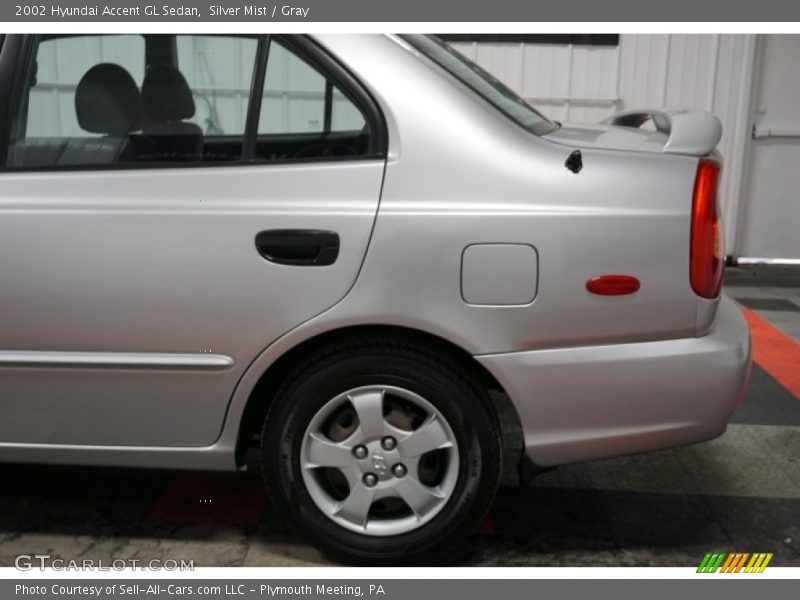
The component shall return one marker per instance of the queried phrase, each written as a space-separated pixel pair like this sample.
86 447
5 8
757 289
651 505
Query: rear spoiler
695 133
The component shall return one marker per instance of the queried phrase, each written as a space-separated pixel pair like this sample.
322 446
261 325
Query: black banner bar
738 587
460 11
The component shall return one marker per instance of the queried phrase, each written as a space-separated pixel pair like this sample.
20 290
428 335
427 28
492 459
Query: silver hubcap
379 460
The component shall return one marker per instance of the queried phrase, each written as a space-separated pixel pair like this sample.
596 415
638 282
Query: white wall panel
771 207
642 62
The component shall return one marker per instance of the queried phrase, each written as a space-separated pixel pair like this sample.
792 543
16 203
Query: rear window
484 84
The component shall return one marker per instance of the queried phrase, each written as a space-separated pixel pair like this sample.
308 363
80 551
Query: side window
121 99
304 114
219 71
103 100
59 65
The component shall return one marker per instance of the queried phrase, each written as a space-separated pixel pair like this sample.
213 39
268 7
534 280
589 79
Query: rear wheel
381 451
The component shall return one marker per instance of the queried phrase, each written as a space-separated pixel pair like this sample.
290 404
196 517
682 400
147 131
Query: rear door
156 234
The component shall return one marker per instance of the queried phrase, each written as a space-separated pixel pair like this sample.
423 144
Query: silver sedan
337 250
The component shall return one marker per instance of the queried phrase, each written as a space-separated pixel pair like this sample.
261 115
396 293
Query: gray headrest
166 95
108 101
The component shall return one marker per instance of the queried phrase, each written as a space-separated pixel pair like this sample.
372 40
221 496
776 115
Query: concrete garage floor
740 492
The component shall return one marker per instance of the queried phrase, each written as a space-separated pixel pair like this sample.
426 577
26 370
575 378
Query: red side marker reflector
613 285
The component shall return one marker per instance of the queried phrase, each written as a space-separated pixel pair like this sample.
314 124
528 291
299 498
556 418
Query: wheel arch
263 392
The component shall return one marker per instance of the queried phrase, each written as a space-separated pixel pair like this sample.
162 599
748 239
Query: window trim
328 108
12 60
15 55
250 137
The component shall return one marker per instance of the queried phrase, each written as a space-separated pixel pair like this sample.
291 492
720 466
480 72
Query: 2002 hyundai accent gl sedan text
333 248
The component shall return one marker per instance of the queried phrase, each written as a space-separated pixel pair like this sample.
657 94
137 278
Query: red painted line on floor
775 352
220 499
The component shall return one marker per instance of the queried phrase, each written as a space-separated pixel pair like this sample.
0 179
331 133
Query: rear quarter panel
459 173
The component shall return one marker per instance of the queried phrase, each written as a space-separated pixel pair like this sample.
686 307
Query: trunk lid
608 137
690 133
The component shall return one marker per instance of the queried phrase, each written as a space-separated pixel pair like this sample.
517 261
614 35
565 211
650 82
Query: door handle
299 247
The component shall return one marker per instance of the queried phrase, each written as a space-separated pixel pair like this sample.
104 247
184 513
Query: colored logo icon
734 562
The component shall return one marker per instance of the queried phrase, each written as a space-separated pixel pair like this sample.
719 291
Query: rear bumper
583 403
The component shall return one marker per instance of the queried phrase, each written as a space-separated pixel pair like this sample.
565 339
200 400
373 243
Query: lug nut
399 470
370 479
360 452
389 443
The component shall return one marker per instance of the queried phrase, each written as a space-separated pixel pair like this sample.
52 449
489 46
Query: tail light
707 254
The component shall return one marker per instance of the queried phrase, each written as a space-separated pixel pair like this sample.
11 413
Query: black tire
446 382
